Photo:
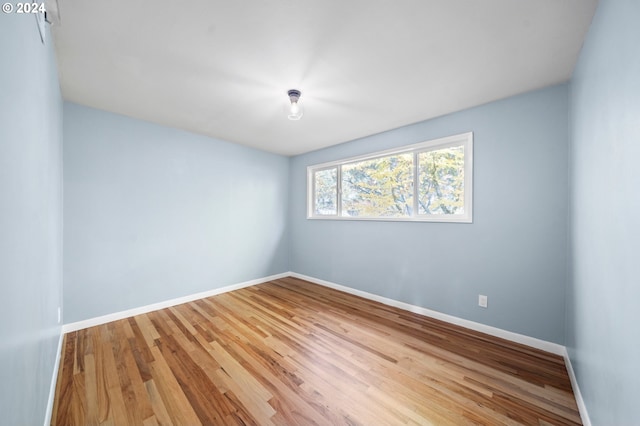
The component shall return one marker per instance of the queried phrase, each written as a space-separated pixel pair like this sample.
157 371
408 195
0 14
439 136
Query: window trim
463 139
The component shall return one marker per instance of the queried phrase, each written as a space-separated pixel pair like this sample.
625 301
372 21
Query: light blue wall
514 252
603 319
154 213
30 220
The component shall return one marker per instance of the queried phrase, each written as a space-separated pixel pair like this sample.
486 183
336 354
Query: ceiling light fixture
295 111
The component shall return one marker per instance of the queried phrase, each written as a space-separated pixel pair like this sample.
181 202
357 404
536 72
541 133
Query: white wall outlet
482 300
59 314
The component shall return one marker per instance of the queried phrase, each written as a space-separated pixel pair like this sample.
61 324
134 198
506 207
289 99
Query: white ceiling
223 67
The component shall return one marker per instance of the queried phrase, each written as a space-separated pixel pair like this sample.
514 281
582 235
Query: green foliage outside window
325 191
382 187
423 182
441 181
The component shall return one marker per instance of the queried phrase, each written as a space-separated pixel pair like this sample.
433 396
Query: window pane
430 181
326 191
382 187
441 181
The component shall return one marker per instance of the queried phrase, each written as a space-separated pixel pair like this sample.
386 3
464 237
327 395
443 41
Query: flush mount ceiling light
295 110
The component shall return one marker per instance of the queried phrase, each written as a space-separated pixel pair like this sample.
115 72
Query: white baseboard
584 415
79 325
553 348
54 381
543 345
493 331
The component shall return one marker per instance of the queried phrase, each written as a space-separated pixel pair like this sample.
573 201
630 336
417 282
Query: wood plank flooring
289 352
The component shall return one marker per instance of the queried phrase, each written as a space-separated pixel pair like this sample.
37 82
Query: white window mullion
416 180
311 186
339 191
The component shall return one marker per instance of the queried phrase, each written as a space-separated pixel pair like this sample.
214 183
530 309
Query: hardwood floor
289 352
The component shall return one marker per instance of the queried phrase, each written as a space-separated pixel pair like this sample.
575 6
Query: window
430 181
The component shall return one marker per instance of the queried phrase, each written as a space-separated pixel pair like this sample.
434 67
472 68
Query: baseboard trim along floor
493 331
582 408
543 345
54 378
79 325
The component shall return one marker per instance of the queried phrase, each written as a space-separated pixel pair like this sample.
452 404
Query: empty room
319 213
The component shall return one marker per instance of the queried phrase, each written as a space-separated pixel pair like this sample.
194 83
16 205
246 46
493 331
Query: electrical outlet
59 314
482 300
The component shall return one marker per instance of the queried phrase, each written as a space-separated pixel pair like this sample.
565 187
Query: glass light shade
295 110
295 113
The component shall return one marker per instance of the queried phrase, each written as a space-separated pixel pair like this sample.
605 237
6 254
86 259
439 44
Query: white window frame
463 139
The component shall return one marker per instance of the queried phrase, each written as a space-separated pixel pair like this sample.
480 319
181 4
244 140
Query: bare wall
154 213
30 219
602 313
